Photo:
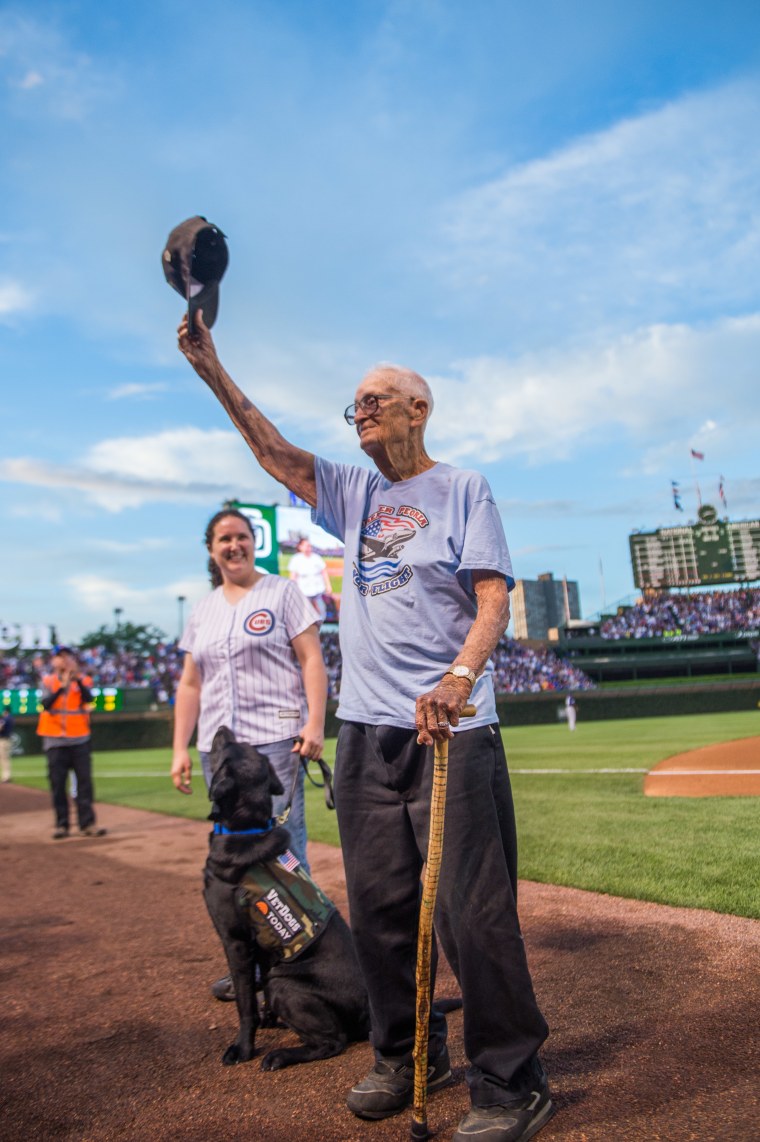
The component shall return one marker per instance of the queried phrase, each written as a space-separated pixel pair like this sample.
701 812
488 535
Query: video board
106 699
278 529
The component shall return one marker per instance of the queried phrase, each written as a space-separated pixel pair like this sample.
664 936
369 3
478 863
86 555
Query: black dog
308 968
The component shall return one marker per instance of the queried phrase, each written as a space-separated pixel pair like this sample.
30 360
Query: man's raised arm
292 466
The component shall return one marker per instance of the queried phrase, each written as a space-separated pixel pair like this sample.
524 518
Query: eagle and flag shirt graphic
381 564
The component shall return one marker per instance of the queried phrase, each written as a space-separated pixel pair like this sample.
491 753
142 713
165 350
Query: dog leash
325 783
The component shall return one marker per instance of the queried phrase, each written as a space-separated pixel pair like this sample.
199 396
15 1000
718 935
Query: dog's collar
224 831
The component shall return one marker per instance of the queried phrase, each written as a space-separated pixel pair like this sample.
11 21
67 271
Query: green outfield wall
150 730
634 702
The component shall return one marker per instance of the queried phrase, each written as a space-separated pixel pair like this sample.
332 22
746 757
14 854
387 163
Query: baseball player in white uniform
309 571
571 711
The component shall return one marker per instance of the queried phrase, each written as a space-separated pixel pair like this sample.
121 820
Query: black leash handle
325 783
327 778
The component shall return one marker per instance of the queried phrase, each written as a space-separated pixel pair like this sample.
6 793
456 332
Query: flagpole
694 477
566 599
722 494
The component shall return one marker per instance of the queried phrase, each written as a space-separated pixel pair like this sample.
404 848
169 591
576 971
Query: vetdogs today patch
259 622
286 909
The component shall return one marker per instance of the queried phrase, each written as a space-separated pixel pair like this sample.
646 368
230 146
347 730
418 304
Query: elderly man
425 602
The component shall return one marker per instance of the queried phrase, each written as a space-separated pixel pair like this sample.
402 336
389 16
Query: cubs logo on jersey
259 622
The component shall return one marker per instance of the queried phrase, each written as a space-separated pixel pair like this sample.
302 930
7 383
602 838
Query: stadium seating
519 668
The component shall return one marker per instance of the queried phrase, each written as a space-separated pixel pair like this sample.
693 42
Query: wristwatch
462 672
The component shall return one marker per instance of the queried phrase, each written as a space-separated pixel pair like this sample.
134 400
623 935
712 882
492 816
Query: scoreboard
106 699
711 552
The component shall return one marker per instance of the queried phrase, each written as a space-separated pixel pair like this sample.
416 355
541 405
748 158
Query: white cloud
14 298
31 79
137 546
99 595
656 386
43 73
180 456
662 389
140 391
184 464
653 219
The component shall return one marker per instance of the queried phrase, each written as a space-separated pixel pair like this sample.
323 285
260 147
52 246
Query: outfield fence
633 702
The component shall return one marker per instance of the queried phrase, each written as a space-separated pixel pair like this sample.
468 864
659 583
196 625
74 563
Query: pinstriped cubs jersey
250 677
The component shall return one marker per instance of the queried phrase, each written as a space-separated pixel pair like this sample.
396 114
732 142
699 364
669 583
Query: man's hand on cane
440 709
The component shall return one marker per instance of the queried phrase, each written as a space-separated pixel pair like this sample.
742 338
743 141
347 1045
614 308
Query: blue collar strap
224 831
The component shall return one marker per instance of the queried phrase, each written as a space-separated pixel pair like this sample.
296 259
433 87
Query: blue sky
550 210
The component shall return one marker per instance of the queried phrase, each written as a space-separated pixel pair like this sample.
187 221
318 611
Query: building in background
543 604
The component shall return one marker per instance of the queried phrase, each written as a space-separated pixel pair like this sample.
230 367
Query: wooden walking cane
425 933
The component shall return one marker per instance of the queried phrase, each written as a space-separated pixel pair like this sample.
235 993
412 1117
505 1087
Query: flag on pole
722 493
676 496
697 455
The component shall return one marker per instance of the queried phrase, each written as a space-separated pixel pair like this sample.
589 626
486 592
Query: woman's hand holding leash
310 741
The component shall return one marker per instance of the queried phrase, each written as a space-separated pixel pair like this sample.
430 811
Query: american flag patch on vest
288 861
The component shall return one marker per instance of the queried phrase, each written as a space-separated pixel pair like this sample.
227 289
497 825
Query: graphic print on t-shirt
382 540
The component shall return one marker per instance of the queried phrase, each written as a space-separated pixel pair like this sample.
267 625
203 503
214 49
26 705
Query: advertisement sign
264 526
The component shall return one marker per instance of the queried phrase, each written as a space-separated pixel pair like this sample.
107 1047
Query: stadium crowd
700 613
158 670
518 669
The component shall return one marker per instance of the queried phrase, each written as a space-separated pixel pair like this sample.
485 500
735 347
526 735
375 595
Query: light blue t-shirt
408 602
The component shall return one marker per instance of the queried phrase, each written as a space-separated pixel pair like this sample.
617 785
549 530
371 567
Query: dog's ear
275 785
222 784
221 746
222 737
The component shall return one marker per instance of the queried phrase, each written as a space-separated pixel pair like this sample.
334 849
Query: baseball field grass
582 818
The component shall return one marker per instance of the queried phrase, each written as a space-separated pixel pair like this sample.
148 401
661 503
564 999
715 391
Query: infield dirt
726 769
109 1032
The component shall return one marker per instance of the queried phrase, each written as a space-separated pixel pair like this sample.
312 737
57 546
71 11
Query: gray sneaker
224 989
516 1123
389 1086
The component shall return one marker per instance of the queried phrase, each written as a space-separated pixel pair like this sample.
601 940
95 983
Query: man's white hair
405 381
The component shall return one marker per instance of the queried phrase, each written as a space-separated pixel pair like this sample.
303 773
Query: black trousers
60 759
383 782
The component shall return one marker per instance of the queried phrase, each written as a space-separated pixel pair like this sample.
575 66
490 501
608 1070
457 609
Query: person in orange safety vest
64 726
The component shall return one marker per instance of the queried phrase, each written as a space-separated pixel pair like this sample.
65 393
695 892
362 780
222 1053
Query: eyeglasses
368 405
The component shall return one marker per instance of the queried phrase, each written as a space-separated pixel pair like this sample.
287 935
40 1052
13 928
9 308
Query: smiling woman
253 662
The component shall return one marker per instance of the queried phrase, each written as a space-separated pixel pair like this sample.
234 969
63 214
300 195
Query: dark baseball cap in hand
194 262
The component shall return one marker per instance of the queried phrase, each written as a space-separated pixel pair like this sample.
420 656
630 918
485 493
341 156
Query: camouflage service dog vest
287 910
